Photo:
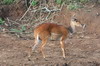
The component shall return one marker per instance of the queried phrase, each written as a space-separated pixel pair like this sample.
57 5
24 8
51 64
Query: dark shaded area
13 11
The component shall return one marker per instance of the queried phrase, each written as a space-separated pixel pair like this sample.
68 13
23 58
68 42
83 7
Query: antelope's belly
55 36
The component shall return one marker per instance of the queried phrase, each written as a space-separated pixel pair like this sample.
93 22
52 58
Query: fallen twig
26 11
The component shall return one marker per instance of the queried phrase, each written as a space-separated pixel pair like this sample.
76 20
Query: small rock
65 64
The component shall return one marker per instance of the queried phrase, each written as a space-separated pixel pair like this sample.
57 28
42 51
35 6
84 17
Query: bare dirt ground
81 50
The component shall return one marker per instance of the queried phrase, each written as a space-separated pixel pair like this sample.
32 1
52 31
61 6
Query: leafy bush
1 21
23 28
58 1
7 2
76 1
73 6
33 3
83 1
15 30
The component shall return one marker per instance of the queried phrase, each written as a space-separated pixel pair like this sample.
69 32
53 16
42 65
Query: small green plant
74 6
76 1
15 30
7 2
1 21
23 28
34 3
83 1
58 1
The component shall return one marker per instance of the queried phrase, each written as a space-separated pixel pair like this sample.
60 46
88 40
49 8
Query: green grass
21 30
83 1
1 21
74 6
58 1
7 2
34 3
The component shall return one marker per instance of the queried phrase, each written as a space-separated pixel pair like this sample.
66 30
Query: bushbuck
51 31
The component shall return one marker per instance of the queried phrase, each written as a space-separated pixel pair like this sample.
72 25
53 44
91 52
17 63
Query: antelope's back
51 28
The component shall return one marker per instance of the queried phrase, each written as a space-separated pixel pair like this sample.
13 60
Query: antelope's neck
71 29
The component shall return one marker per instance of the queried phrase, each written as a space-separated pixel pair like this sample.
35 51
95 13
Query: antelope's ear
73 18
74 15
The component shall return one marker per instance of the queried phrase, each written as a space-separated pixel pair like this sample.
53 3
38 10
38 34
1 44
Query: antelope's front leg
62 47
42 47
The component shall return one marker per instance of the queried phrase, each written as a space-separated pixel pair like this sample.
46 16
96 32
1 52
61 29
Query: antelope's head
75 22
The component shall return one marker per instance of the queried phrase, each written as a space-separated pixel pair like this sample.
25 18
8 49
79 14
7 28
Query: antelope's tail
37 42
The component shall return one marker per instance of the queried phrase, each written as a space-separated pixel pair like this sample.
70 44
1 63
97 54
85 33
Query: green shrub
73 6
23 28
58 1
34 3
15 30
1 21
76 1
83 1
7 2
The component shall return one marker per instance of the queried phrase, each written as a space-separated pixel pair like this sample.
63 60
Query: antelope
49 31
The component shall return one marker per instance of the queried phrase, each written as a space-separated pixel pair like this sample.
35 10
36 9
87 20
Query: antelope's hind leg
37 42
62 46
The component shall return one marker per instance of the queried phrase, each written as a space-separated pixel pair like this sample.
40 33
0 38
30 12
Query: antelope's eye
75 20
